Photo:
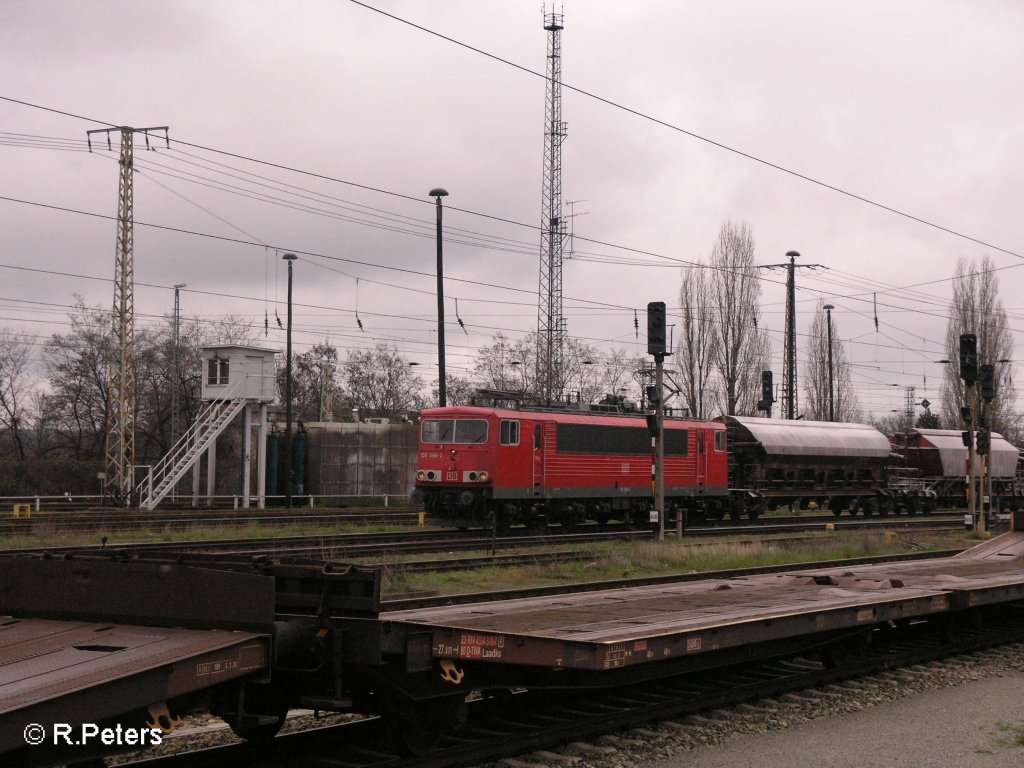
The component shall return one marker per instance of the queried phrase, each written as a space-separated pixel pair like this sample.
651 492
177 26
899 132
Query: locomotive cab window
720 441
509 432
461 431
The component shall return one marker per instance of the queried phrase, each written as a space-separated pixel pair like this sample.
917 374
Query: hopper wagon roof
949 443
811 438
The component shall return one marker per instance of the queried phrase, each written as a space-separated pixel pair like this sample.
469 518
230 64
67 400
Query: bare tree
616 372
15 389
76 364
976 308
314 383
230 329
457 391
380 383
588 374
505 364
740 349
847 406
696 352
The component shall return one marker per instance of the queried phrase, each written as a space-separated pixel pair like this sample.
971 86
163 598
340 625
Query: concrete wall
363 460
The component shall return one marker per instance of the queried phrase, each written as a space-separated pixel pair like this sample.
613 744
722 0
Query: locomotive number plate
452 476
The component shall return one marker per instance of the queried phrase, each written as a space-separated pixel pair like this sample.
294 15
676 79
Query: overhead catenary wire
680 261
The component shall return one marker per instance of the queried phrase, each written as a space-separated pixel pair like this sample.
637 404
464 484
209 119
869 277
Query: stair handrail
182 445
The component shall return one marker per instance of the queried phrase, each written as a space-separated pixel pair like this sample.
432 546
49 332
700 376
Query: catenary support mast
551 329
120 428
789 384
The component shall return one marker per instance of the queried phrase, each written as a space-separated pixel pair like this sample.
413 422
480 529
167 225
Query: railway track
346 545
361 545
96 521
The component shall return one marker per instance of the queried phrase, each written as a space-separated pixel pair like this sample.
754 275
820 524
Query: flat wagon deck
123 640
616 628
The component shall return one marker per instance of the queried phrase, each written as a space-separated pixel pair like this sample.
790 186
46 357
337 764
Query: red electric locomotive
482 465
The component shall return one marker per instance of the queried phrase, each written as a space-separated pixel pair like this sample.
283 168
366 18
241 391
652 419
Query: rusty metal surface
131 592
604 630
62 669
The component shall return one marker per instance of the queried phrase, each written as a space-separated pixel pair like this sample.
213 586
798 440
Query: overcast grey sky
915 105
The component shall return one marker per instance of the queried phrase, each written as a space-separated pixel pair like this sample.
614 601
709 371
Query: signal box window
720 440
216 372
463 431
509 432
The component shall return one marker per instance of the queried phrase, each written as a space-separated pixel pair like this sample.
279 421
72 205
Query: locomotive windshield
465 431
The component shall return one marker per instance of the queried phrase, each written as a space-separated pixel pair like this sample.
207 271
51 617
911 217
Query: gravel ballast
964 712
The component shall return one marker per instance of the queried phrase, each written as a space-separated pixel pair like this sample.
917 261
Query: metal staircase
210 422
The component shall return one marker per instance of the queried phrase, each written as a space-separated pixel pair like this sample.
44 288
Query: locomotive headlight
484 477
421 475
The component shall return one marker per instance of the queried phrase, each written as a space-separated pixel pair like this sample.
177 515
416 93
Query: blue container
273 459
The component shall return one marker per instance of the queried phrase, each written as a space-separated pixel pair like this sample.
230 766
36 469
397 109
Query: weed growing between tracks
619 560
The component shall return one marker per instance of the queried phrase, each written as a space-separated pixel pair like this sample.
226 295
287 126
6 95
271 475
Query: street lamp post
176 384
831 390
177 365
437 193
583 375
522 376
288 473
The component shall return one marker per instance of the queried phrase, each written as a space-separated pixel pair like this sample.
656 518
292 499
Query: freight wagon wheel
256 714
410 735
415 728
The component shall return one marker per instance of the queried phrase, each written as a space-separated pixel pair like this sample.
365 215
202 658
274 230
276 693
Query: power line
691 134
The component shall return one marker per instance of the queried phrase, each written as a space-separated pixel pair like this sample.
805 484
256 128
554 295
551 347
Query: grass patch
1013 735
623 560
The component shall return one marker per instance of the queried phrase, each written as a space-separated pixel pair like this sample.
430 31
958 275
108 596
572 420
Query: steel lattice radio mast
551 328
120 440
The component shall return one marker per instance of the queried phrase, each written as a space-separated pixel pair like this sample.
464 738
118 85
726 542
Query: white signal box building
231 372
235 380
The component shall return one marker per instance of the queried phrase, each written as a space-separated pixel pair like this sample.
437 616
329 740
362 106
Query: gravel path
965 712
974 725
